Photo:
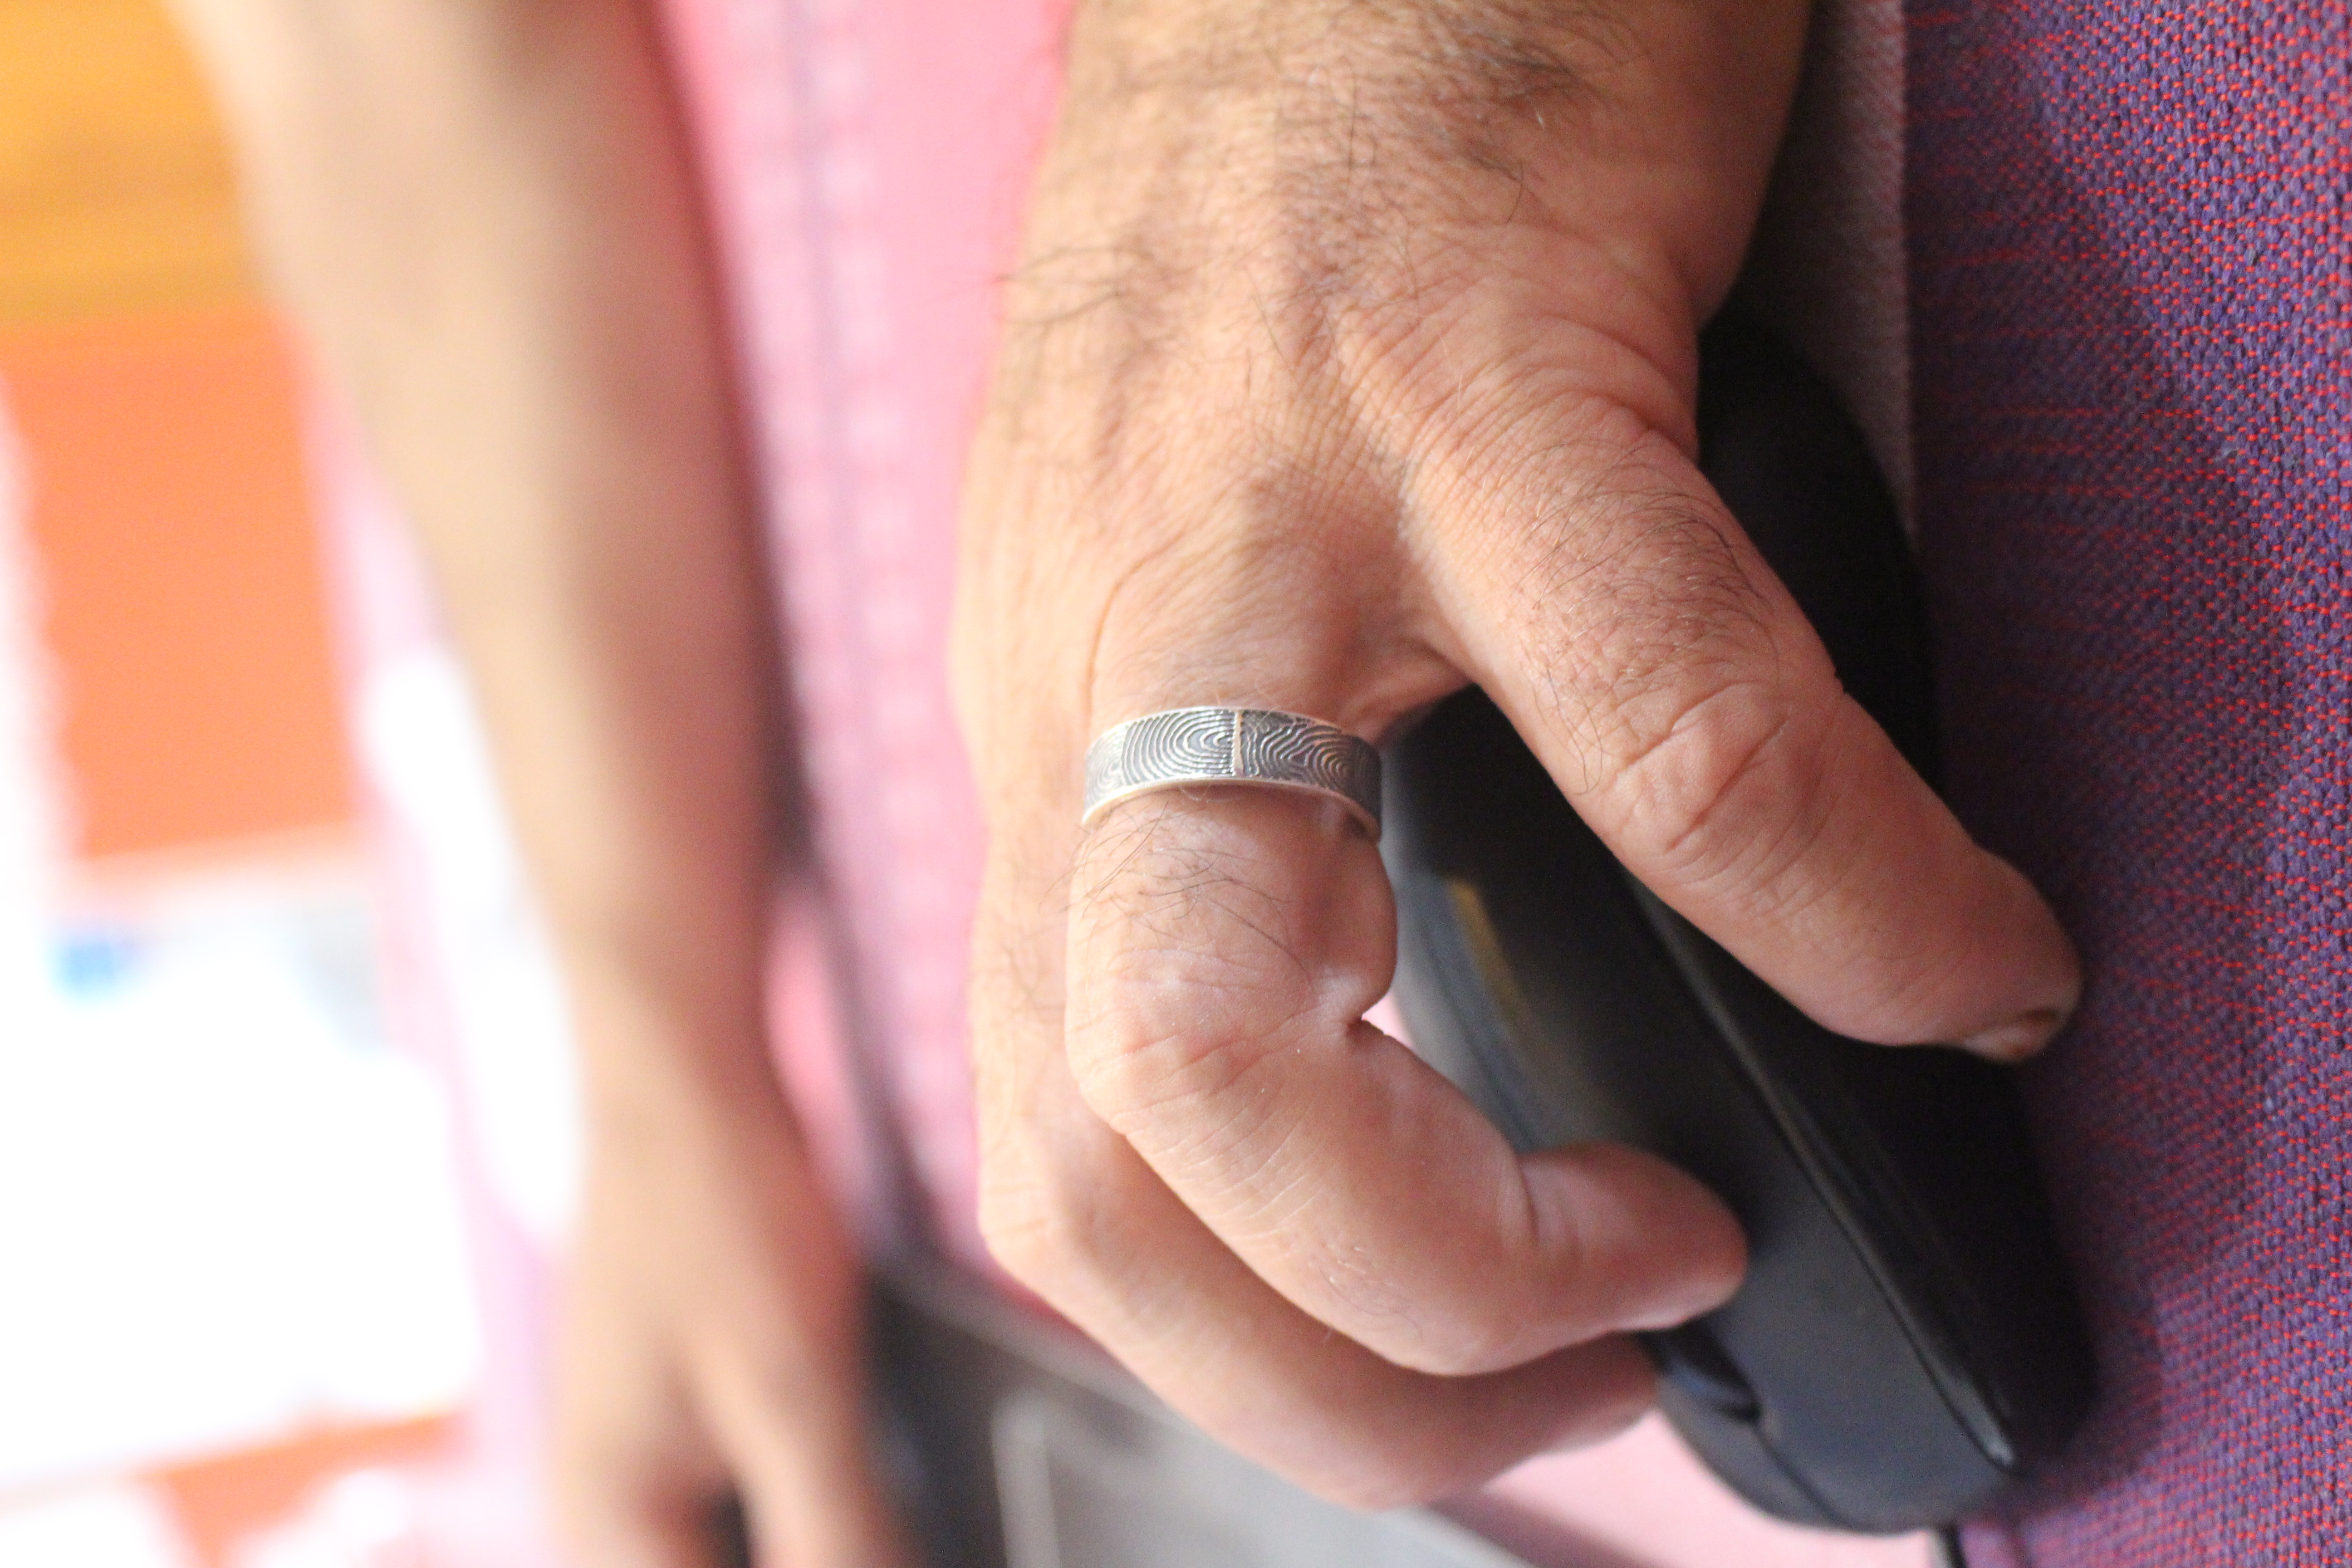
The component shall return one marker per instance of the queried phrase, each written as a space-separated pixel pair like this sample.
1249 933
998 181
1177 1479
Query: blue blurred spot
95 960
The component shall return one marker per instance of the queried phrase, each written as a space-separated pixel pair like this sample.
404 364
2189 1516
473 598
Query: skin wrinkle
1254 581
1765 874
1669 823
1277 1209
1762 868
1272 1213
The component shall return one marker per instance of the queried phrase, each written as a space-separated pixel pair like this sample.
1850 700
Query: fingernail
2018 1038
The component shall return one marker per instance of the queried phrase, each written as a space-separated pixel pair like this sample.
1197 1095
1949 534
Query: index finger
1616 611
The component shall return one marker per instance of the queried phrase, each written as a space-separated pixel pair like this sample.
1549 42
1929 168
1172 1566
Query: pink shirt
868 162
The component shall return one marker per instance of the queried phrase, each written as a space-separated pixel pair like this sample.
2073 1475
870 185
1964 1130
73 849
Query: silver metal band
1234 745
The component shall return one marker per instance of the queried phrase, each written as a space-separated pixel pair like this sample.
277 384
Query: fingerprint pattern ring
1234 745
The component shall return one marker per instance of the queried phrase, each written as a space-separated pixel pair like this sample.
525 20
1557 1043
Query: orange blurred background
177 566
156 398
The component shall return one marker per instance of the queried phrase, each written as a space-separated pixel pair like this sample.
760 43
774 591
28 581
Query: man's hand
714 1340
1352 358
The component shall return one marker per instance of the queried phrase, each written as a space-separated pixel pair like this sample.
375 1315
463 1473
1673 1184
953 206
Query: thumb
1678 697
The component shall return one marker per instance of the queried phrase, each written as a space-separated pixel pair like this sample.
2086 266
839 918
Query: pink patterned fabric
864 160
868 160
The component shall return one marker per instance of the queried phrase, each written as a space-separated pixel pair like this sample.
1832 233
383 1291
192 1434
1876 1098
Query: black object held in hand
1906 1344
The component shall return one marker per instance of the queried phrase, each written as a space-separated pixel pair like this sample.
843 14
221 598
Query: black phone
1906 1343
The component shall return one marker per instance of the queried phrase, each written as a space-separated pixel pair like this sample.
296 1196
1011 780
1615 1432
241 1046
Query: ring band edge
1355 808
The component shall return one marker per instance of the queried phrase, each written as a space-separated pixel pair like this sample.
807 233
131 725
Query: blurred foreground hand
713 1336
482 218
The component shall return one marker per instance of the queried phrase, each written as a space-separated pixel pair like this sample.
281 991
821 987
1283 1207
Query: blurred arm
484 217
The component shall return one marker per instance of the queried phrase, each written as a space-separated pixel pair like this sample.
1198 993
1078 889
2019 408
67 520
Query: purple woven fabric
2133 355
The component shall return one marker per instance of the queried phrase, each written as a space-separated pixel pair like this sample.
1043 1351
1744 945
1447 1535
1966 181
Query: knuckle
1489 1307
1453 1337
1633 582
1052 1219
1657 615
1710 753
1036 1238
1359 1292
1741 816
1686 800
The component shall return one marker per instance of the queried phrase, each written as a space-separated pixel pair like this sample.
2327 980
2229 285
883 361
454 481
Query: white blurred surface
367 1519
227 1210
421 747
115 1526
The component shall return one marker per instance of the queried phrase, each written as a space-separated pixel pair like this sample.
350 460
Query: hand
713 1344
1352 358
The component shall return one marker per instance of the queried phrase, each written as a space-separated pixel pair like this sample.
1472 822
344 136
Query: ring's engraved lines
1237 745
1270 747
1195 741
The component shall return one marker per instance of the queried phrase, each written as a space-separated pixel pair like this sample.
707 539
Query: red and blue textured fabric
2133 353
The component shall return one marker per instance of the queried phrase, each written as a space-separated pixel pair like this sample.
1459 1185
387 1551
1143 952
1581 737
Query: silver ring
1234 745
